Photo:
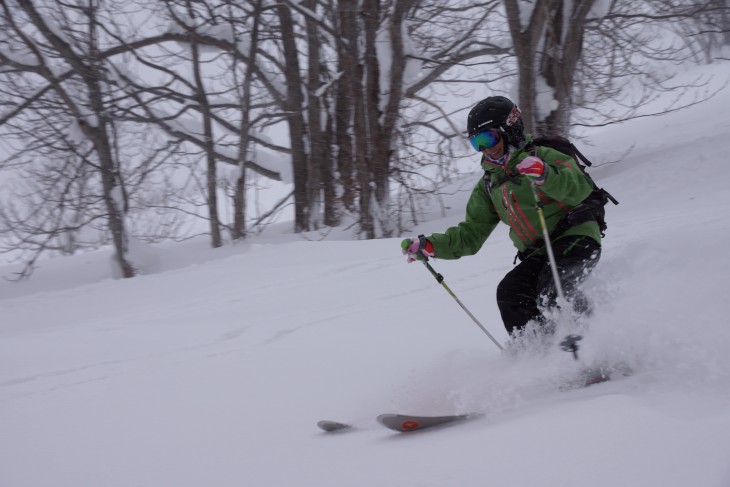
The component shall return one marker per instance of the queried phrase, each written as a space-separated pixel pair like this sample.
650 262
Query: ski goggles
486 139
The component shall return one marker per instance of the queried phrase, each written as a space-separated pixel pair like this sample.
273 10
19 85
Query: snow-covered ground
214 370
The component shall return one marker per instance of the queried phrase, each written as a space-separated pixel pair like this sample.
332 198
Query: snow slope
214 370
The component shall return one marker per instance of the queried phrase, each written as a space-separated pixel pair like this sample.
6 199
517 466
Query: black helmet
500 113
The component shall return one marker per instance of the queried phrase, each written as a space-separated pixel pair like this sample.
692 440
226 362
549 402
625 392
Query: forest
124 121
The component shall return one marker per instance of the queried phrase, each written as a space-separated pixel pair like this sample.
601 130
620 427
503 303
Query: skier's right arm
468 236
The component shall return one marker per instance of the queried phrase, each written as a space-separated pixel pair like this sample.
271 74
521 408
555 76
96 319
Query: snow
545 101
215 369
526 8
600 9
384 52
414 65
75 132
384 47
18 57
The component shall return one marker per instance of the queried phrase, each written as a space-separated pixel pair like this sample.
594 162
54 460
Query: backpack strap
488 184
580 155
561 144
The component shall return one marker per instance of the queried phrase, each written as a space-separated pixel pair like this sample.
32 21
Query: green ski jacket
513 203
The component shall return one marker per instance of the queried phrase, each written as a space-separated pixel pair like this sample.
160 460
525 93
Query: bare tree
548 48
359 87
366 97
628 54
246 97
210 99
707 29
60 51
572 53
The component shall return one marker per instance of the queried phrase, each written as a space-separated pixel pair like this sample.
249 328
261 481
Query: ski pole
570 344
548 245
440 279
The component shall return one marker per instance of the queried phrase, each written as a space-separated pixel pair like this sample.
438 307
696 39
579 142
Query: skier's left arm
561 178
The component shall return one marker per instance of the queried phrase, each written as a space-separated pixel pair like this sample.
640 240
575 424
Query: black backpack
593 207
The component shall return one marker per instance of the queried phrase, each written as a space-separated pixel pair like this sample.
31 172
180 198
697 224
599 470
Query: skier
511 164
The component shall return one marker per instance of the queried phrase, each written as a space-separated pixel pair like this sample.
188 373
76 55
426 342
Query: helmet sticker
484 123
513 116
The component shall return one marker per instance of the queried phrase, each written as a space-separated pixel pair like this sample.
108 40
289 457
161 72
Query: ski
591 375
595 376
585 378
331 426
404 423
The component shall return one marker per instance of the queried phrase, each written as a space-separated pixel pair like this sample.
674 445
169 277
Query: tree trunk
329 185
725 22
371 134
294 115
92 76
208 142
526 43
239 197
319 155
112 195
387 126
347 97
563 46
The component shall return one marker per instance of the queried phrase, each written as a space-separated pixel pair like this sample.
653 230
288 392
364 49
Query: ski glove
533 167
416 248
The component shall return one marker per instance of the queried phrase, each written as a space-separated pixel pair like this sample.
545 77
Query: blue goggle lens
484 140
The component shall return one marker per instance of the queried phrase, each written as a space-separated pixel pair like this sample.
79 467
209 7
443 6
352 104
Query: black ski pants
521 290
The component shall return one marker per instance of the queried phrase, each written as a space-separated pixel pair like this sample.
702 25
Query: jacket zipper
514 220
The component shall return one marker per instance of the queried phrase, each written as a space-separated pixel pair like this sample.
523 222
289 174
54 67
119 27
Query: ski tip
330 426
406 423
